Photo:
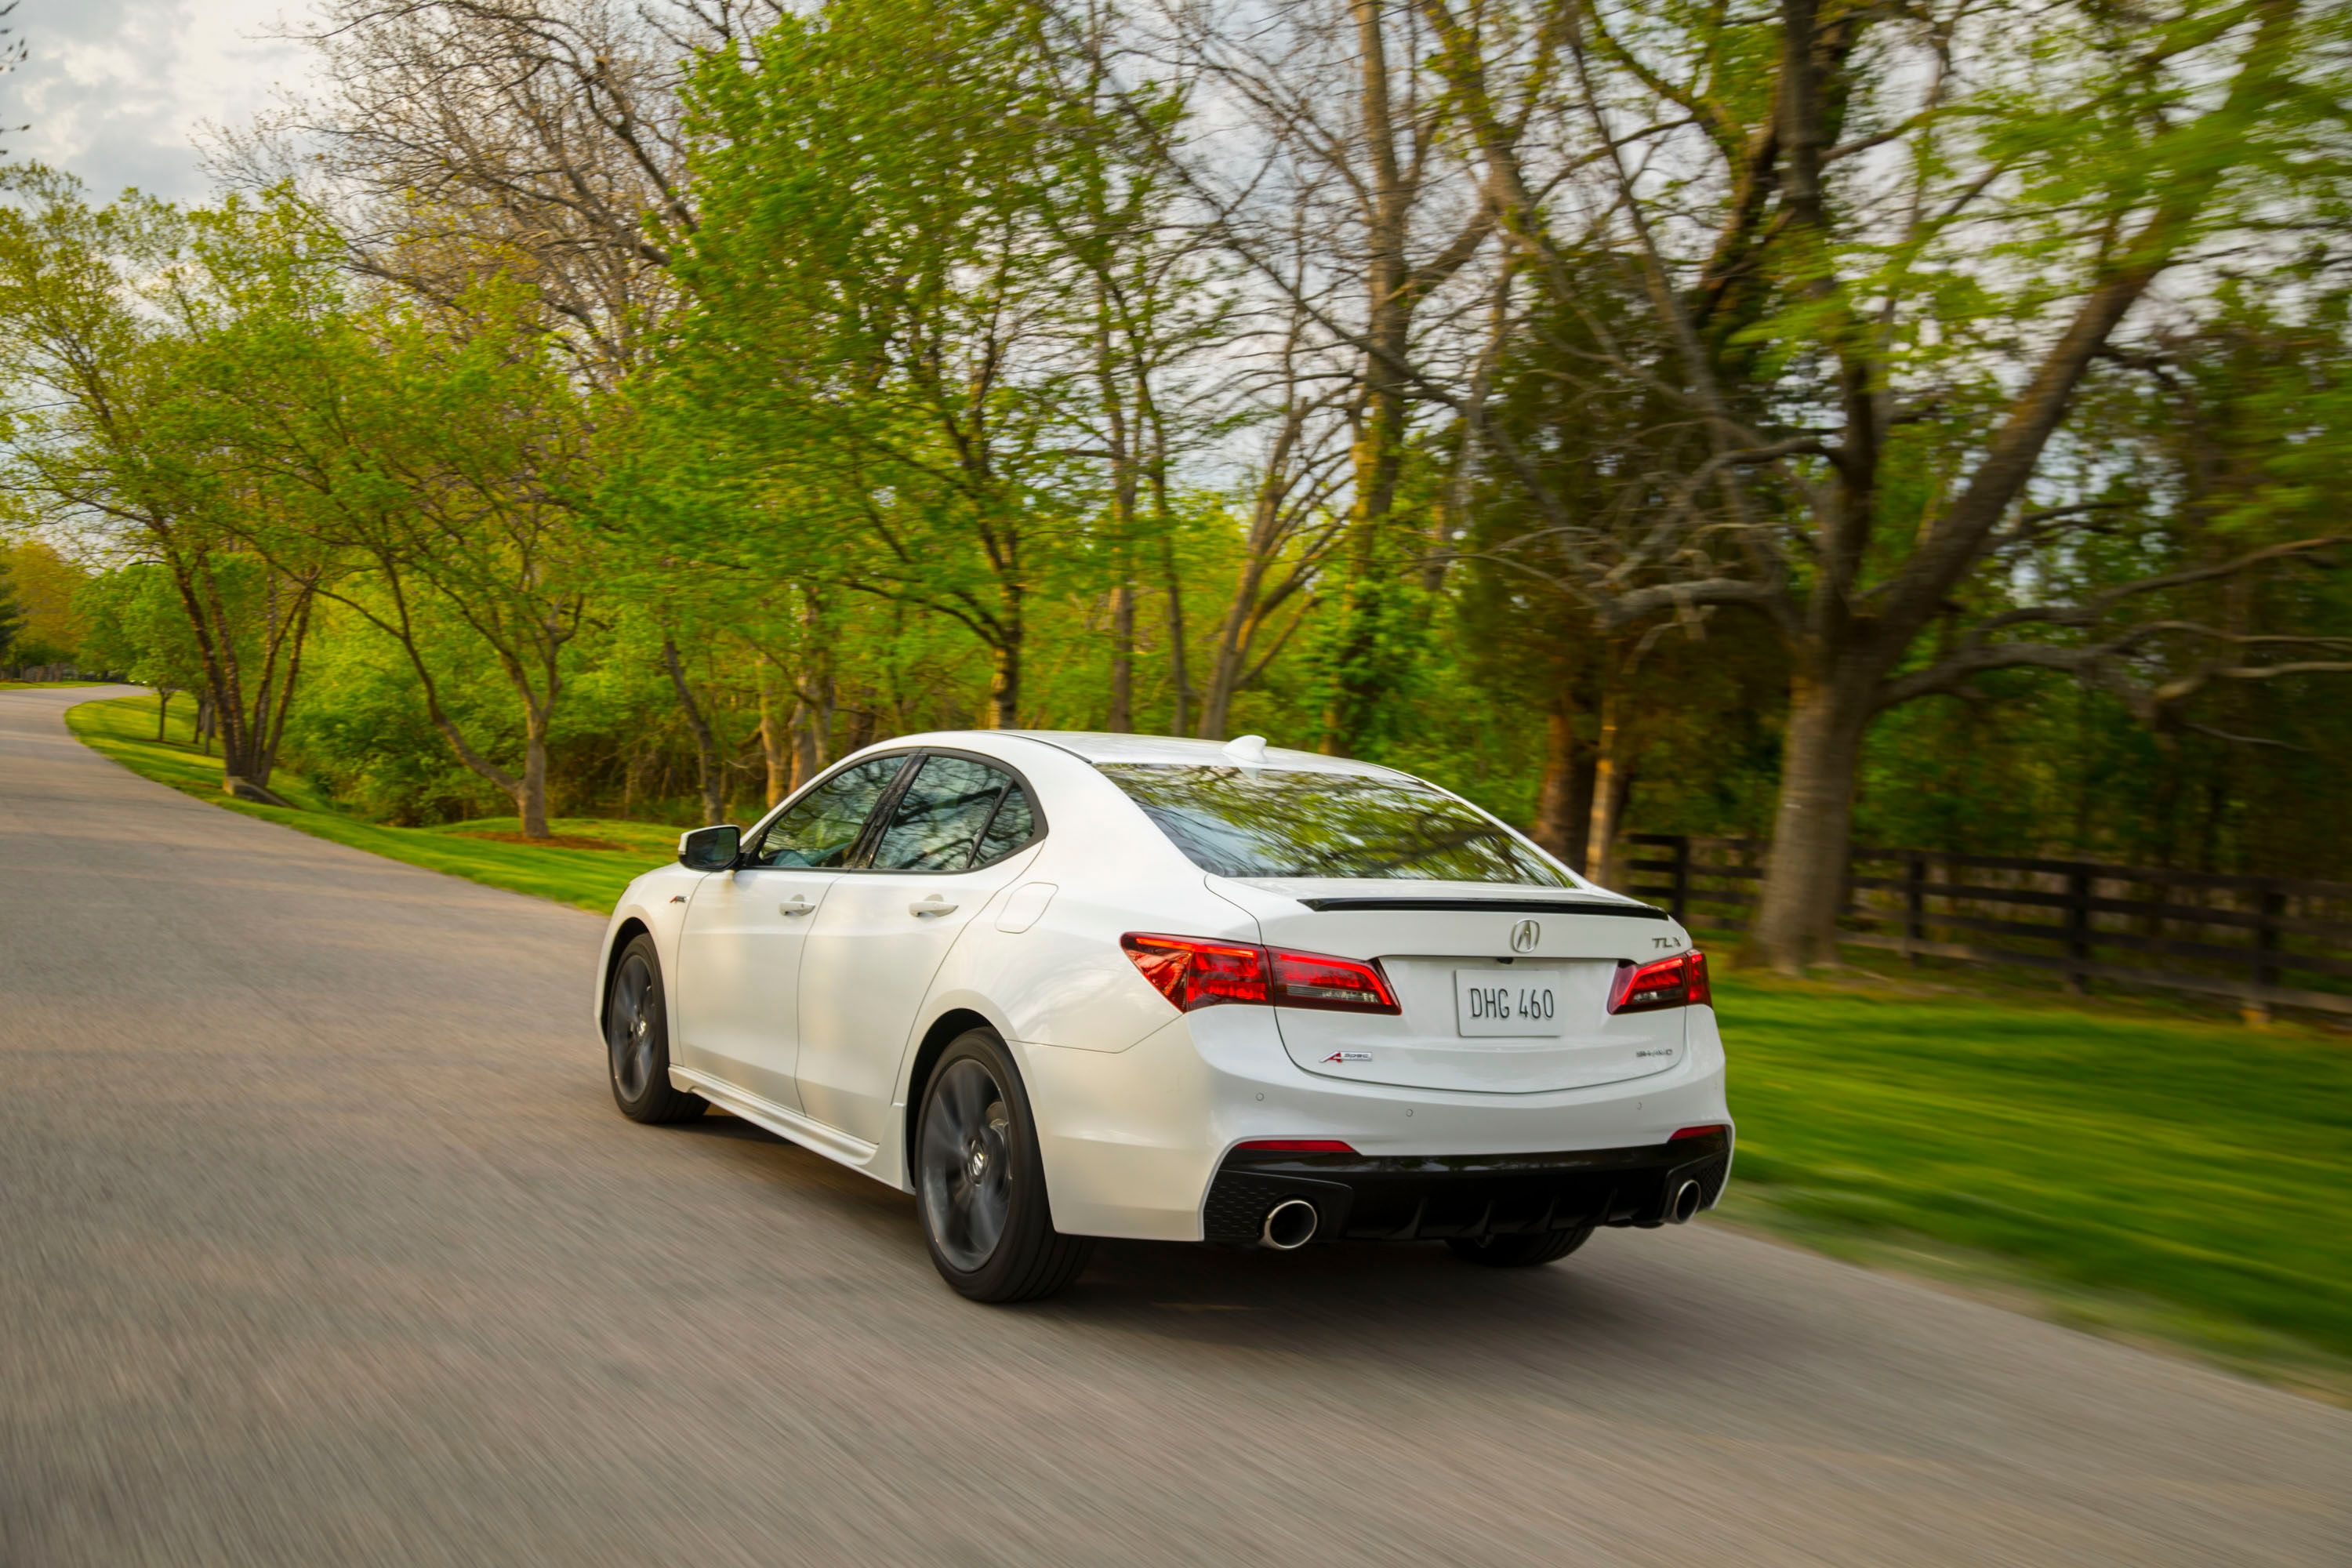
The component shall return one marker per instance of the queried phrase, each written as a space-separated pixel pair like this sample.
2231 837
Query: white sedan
1061 986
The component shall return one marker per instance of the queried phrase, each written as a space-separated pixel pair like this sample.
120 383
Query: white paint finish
1021 908
738 976
1135 1104
873 951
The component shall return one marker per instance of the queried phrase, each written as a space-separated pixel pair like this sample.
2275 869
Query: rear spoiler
1512 906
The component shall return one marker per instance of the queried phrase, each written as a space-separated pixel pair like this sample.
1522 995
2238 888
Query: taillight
1296 1146
1193 972
1314 980
1677 981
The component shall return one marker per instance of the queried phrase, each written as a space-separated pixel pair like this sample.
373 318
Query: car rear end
1473 1041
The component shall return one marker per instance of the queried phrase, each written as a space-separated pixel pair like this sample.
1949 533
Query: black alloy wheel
637 1040
980 1182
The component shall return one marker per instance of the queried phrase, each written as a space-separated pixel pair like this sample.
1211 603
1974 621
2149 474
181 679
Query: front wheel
980 1182
1518 1251
637 1040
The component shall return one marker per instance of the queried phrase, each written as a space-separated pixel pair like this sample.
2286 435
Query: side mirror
709 848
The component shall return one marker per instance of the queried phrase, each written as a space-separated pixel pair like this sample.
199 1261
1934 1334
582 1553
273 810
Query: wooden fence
2261 941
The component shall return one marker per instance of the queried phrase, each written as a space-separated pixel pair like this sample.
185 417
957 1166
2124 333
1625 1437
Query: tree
1885 254
12 612
139 628
888 344
99 412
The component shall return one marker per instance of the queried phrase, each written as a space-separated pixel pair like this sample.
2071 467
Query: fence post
2078 928
2270 903
1914 905
1682 879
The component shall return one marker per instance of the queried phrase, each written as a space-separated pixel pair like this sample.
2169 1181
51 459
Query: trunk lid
1502 989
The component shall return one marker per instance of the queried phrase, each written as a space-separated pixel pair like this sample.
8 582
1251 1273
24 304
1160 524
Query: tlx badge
1348 1056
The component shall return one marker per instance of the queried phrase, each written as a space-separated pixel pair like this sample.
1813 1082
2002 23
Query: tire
1517 1251
980 1183
636 1039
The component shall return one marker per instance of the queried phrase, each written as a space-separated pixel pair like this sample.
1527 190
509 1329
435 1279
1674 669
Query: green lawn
2113 1163
124 729
2144 1173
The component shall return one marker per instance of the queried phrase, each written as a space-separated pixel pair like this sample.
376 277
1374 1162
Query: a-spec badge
1525 935
1348 1056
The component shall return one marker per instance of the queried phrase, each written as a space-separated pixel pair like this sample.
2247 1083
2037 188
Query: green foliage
137 627
12 613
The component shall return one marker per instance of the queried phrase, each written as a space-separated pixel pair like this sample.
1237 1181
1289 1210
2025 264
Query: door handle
797 904
934 905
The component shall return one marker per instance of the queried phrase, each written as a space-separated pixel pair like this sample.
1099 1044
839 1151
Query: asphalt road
321 1242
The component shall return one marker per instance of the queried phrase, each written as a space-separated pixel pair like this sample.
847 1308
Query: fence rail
2247 939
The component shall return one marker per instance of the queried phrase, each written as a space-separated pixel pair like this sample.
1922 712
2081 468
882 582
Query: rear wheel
1517 1251
637 1040
980 1182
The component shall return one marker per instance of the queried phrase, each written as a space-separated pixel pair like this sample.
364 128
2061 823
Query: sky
115 91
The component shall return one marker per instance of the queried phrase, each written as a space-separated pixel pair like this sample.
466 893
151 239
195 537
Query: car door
959 832
740 953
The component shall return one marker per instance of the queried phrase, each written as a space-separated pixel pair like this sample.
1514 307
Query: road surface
322 1242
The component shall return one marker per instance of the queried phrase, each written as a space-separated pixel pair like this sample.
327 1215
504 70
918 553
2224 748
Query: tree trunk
1004 687
1564 798
530 800
1122 660
1180 720
776 726
1805 877
709 770
163 711
1612 786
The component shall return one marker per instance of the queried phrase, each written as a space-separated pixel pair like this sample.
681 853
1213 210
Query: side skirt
790 1125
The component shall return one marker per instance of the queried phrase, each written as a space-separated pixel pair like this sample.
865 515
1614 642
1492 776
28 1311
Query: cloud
114 91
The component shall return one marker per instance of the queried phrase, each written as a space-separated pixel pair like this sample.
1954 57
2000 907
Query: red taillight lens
1193 972
1682 1132
1314 980
1677 981
1297 1146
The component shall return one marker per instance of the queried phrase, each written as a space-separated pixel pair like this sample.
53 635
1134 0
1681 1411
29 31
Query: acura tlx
1060 986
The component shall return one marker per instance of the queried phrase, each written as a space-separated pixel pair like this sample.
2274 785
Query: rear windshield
1266 822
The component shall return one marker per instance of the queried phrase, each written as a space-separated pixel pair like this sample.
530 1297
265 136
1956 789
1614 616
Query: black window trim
869 838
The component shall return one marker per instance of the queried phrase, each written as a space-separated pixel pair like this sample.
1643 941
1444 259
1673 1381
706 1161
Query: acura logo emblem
1525 935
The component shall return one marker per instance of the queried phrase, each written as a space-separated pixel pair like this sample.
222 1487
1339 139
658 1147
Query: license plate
1492 1002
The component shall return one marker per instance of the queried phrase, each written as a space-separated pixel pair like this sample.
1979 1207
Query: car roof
1097 746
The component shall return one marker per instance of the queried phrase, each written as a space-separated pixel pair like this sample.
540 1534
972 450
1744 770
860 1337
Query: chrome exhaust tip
1289 1225
1684 1204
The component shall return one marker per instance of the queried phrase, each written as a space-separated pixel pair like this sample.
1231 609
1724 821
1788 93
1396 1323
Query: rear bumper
1359 1198
1134 1140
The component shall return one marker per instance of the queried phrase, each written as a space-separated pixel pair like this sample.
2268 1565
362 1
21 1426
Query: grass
46 685
2117 1164
2150 1176
124 729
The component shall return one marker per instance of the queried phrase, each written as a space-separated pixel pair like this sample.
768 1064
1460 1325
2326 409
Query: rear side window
949 817
823 826
1266 822
1014 825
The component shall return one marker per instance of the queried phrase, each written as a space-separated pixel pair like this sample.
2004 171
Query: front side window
823 826
1269 822
944 820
